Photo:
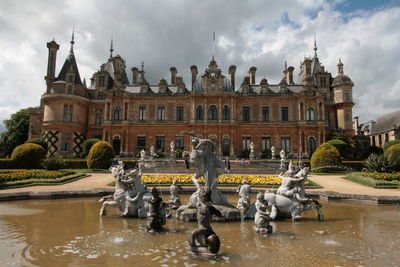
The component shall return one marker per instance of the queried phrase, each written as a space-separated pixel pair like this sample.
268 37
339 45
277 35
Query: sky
365 35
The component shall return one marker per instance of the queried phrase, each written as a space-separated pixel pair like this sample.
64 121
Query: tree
17 131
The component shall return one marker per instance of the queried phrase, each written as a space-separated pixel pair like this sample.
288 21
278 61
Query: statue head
260 196
154 192
195 141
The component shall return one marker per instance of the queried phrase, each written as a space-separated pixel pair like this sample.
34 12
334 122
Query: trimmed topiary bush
100 156
341 146
325 157
38 141
393 154
87 145
390 143
53 163
28 156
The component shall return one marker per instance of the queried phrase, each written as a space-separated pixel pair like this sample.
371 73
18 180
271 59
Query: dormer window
69 89
101 81
70 78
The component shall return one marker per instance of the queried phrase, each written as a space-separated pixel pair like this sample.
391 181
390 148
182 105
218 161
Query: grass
90 170
42 181
330 173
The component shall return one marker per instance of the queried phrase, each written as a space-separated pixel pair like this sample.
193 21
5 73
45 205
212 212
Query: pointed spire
340 67
285 65
142 65
315 47
111 47
213 46
72 40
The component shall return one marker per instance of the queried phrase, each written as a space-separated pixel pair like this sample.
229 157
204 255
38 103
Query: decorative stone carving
262 217
290 198
157 212
204 240
172 149
252 154
153 153
243 203
174 199
273 154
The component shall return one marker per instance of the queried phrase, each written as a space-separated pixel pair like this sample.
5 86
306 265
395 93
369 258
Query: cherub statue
157 213
262 217
244 197
174 199
204 240
293 185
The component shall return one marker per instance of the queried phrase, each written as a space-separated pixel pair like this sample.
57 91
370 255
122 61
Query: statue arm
215 211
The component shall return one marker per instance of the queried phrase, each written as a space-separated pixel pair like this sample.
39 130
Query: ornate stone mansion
294 115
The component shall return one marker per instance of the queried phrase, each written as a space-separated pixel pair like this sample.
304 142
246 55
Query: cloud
179 33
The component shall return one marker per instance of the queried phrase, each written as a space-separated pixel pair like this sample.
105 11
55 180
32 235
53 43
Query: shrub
28 156
38 141
75 163
341 146
378 163
100 156
6 164
87 145
393 154
389 144
53 163
326 156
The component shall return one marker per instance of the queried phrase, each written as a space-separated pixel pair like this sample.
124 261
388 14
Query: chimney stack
232 70
252 75
51 63
356 125
193 70
135 73
289 75
173 74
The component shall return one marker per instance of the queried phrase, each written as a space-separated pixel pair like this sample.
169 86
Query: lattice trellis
51 139
79 138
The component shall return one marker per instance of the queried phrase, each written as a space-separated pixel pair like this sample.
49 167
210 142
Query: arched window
99 117
310 114
213 113
117 114
226 114
199 113
312 145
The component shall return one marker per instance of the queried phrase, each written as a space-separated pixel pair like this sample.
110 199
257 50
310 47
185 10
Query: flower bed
19 178
266 180
376 180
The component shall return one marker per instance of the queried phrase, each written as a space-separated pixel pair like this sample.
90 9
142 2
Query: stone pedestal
229 213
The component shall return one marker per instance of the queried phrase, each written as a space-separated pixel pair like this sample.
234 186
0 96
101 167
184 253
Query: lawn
376 180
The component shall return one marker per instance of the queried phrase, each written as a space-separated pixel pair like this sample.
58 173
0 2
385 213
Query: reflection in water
70 232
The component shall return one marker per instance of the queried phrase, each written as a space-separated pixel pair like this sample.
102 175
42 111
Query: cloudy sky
261 33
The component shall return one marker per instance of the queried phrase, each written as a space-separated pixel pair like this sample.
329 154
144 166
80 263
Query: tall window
142 113
246 113
285 113
246 143
286 144
101 81
312 145
160 143
310 114
161 113
265 113
68 109
141 143
265 144
99 117
346 97
199 113
226 115
118 114
328 118
179 113
65 140
213 113
179 142
69 89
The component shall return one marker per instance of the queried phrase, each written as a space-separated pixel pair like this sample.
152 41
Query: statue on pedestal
172 149
153 153
142 155
204 240
282 154
252 155
273 155
174 199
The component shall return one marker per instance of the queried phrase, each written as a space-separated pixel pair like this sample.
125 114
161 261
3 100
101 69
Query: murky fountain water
69 232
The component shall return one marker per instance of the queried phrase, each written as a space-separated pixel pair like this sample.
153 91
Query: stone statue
174 199
252 155
282 154
142 154
262 217
273 155
204 240
243 203
153 152
290 198
129 193
157 213
203 157
172 149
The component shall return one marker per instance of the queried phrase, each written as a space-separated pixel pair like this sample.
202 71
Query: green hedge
369 181
75 163
42 181
7 164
